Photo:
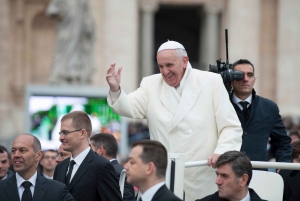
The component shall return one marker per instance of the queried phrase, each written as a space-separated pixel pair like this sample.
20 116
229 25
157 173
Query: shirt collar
4 177
46 176
236 100
247 198
179 89
20 179
111 160
149 193
78 160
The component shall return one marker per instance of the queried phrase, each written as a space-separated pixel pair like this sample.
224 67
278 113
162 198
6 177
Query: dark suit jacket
164 194
215 197
128 194
45 190
95 179
291 179
264 122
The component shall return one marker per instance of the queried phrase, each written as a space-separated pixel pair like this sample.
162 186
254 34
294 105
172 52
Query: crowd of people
188 111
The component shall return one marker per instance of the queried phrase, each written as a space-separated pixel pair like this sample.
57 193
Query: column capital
149 6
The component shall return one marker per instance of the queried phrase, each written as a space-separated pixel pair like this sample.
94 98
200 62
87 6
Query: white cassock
199 123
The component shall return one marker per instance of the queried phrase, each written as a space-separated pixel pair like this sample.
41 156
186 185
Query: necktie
72 163
26 196
140 199
245 109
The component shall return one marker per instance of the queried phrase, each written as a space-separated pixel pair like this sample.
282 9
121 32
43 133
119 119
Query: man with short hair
187 110
146 169
106 145
27 184
4 164
234 173
259 117
87 175
62 154
48 163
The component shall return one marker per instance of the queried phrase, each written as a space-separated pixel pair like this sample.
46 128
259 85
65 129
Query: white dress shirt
247 198
46 176
78 160
237 101
150 192
20 181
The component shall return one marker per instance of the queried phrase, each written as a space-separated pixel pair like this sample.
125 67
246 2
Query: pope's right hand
113 78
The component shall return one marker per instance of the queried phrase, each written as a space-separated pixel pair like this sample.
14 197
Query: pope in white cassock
187 110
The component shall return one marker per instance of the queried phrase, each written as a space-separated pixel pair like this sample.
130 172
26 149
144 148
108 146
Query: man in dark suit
259 117
106 145
87 175
234 173
26 184
146 170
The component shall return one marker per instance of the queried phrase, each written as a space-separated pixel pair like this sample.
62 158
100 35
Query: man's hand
212 160
113 78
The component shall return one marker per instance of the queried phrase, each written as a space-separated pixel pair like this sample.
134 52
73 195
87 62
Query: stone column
209 41
288 59
147 47
243 23
6 122
120 40
120 46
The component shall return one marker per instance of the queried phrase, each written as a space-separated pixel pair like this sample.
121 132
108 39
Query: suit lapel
166 97
191 92
40 188
61 175
11 189
84 166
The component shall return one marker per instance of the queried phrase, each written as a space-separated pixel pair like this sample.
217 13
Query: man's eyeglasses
64 132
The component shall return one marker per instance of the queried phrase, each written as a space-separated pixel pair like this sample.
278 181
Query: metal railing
255 164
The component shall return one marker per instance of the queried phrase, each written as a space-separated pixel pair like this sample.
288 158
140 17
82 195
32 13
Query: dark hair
49 150
154 151
80 120
239 163
107 141
3 150
242 61
295 132
296 149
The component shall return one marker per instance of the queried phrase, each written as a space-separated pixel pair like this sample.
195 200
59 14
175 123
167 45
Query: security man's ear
244 179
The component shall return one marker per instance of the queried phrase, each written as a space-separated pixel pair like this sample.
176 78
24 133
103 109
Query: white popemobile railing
268 185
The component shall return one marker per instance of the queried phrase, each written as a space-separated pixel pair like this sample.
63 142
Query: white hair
181 53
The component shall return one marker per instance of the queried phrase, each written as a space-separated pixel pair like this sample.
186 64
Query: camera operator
259 117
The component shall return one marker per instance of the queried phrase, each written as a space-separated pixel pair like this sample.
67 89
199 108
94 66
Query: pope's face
171 66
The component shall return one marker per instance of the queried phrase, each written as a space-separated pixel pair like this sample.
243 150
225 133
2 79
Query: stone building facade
129 32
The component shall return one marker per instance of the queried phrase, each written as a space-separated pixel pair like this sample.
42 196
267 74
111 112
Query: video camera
225 70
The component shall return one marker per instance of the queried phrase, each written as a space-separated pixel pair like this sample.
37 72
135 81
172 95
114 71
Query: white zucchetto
170 45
